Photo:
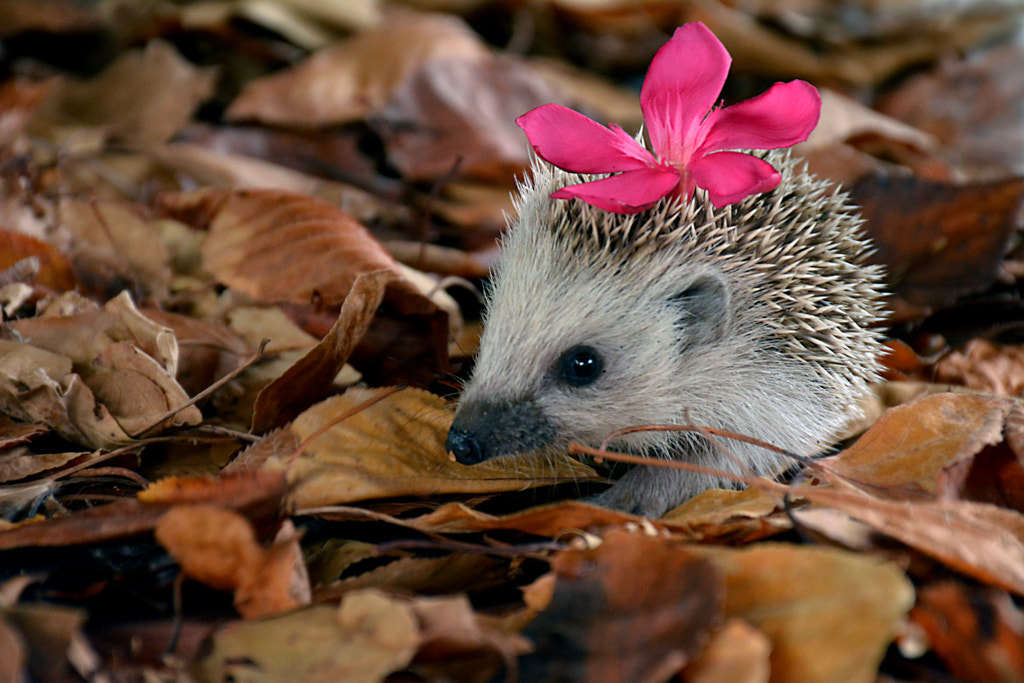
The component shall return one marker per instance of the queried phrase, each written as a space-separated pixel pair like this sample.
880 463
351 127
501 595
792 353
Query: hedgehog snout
483 430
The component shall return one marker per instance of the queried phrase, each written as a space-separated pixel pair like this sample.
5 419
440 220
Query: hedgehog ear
703 308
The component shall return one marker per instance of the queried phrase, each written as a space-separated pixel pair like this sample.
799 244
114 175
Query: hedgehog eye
580 366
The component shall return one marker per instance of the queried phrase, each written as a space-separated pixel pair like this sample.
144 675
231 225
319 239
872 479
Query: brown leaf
53 270
310 378
906 451
111 375
636 608
143 97
457 117
976 539
736 654
829 614
975 631
257 494
450 632
113 245
206 352
218 547
395 447
369 636
739 516
348 81
985 366
972 104
50 634
938 241
13 657
278 247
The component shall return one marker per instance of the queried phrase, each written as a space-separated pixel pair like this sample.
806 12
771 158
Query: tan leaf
218 547
143 97
114 244
980 540
985 366
277 246
369 636
395 447
908 448
829 614
347 81
310 378
737 654
737 515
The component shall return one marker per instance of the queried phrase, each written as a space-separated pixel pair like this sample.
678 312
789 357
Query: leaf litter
315 177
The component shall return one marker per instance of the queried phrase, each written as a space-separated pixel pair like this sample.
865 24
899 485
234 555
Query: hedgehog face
575 348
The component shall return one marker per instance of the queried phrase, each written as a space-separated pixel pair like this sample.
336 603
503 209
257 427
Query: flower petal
628 192
575 143
783 115
730 176
682 85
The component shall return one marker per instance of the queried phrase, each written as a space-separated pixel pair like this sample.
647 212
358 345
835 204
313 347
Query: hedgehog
756 318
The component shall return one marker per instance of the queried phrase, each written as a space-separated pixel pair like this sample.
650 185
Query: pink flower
692 139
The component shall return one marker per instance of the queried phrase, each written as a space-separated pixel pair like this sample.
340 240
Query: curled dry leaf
830 615
740 516
985 366
367 637
977 539
144 97
348 81
395 447
311 377
218 547
636 608
910 446
96 378
282 247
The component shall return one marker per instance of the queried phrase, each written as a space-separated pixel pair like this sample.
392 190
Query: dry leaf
113 245
456 118
218 547
277 246
985 366
973 106
636 608
829 614
144 97
737 654
311 377
906 451
395 447
938 241
52 270
348 81
976 539
369 636
975 631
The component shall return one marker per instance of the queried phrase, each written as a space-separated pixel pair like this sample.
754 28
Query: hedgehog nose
464 446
